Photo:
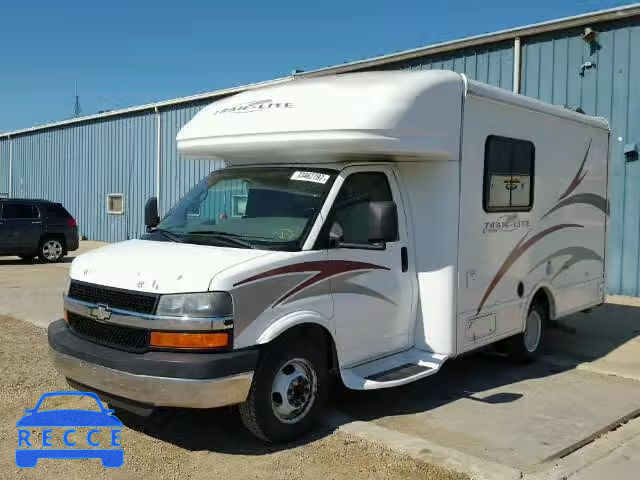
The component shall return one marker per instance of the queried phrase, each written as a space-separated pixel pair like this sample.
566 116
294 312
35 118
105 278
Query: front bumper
158 379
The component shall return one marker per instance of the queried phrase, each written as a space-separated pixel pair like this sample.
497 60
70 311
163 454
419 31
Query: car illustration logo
59 428
101 313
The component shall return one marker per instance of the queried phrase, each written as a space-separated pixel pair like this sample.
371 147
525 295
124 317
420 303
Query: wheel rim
294 390
52 249
533 331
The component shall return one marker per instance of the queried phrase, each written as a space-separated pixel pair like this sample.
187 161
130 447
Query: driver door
372 291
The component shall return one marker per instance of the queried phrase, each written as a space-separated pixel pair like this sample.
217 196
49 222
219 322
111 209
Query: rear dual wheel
526 346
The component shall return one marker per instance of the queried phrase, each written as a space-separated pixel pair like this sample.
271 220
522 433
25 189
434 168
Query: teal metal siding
4 168
492 64
551 72
80 164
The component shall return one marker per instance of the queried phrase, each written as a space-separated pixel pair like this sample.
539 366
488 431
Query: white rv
368 226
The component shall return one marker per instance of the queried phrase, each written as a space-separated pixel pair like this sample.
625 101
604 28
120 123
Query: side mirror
381 226
151 218
383 222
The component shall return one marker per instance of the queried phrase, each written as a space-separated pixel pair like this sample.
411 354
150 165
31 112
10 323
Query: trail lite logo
255 106
506 223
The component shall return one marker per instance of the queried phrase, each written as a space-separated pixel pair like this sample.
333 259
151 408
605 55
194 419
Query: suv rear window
55 210
18 210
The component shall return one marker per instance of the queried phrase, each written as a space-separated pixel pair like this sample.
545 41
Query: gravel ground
182 444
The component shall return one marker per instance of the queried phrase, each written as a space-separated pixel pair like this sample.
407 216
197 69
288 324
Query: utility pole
76 108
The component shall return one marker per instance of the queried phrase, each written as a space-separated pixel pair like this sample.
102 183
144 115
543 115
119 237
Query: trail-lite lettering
507 223
255 106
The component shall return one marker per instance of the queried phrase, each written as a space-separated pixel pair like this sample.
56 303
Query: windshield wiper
229 237
167 234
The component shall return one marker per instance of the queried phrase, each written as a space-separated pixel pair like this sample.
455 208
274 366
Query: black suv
30 228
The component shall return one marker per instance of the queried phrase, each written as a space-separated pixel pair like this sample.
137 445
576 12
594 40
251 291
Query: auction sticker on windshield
310 177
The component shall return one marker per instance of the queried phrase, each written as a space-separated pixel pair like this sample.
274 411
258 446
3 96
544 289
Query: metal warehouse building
589 61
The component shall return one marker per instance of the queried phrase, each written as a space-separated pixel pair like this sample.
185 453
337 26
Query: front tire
288 392
51 250
526 346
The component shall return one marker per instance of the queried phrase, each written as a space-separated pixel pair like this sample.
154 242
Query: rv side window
508 175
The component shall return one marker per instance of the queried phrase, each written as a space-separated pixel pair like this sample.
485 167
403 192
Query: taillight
71 222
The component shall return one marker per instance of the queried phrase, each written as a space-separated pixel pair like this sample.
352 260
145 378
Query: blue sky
130 52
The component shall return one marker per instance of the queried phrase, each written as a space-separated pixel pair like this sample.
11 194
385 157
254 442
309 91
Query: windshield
267 208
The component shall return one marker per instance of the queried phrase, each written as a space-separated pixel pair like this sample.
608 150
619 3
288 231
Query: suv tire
51 250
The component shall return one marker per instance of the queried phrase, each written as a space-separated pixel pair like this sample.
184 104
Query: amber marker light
65 315
189 340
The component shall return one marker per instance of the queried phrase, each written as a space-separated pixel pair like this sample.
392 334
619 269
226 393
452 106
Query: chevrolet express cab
368 227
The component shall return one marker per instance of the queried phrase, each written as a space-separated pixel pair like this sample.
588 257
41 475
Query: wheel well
544 297
307 331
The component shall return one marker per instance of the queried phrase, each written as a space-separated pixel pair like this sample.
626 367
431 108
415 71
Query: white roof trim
625 11
501 95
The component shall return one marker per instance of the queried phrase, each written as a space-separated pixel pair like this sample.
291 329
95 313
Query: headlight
197 305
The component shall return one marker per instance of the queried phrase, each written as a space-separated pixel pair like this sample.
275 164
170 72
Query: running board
394 370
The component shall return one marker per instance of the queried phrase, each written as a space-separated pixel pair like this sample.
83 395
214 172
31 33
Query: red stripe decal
322 269
518 250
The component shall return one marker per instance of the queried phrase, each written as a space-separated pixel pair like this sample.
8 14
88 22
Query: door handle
404 259
36 222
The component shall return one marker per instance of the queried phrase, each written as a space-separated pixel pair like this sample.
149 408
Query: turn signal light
65 315
189 340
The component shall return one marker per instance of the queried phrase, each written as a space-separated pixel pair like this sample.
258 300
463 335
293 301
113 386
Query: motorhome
367 228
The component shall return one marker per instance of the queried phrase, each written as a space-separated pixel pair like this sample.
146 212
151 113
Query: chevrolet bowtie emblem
101 313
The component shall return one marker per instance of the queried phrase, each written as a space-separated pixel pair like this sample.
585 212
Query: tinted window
508 175
351 206
55 210
18 210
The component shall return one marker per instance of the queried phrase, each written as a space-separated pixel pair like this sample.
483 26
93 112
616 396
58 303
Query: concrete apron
487 417
32 291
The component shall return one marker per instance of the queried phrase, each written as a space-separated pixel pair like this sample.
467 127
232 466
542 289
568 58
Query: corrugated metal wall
80 164
492 64
552 71
179 174
4 168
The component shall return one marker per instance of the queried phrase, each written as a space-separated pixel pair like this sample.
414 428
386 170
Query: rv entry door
373 293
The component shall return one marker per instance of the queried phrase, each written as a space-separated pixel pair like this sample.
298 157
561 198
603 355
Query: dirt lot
181 444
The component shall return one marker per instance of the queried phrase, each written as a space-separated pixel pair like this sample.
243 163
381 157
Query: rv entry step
393 370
